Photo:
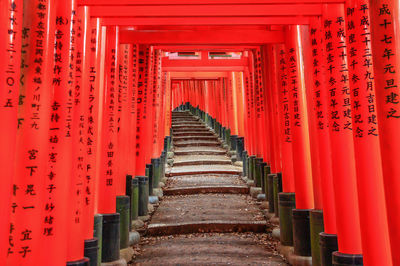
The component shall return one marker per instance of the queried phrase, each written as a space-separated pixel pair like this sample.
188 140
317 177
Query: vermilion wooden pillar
375 243
269 70
312 50
160 96
385 22
340 128
156 105
79 69
217 101
240 99
140 126
232 106
299 122
125 132
101 55
91 101
304 39
165 114
148 104
250 110
246 109
225 103
10 52
286 126
168 103
257 114
133 103
29 186
264 132
268 122
107 177
320 106
273 102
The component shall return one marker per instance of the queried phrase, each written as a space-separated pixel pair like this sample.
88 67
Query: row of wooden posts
83 117
80 111
321 110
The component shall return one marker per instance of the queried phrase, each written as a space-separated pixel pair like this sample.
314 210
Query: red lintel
204 69
239 37
174 21
197 2
259 10
198 75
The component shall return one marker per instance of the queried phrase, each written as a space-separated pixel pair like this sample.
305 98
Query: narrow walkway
207 215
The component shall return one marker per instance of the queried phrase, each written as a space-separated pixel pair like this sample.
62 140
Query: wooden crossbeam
198 75
222 37
197 2
258 10
205 21
204 69
193 48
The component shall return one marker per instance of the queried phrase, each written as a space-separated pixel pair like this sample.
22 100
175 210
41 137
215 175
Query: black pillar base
123 206
316 227
342 259
301 232
239 148
233 142
245 162
143 195
110 241
328 244
92 251
82 262
150 176
277 189
287 203
270 193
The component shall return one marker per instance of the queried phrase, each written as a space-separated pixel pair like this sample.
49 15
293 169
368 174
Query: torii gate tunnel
304 92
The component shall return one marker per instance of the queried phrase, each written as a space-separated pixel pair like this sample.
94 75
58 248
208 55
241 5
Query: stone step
196 144
213 226
204 180
201 151
227 189
193 133
224 208
188 129
186 123
191 137
204 162
209 249
205 169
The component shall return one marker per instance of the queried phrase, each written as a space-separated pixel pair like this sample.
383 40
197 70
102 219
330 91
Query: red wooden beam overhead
204 63
259 10
202 37
197 2
204 69
198 75
194 48
196 21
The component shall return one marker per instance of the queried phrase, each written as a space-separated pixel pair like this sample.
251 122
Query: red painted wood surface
320 105
365 131
298 122
107 176
341 136
10 42
385 50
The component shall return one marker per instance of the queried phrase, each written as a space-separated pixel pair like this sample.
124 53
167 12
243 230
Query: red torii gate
282 48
